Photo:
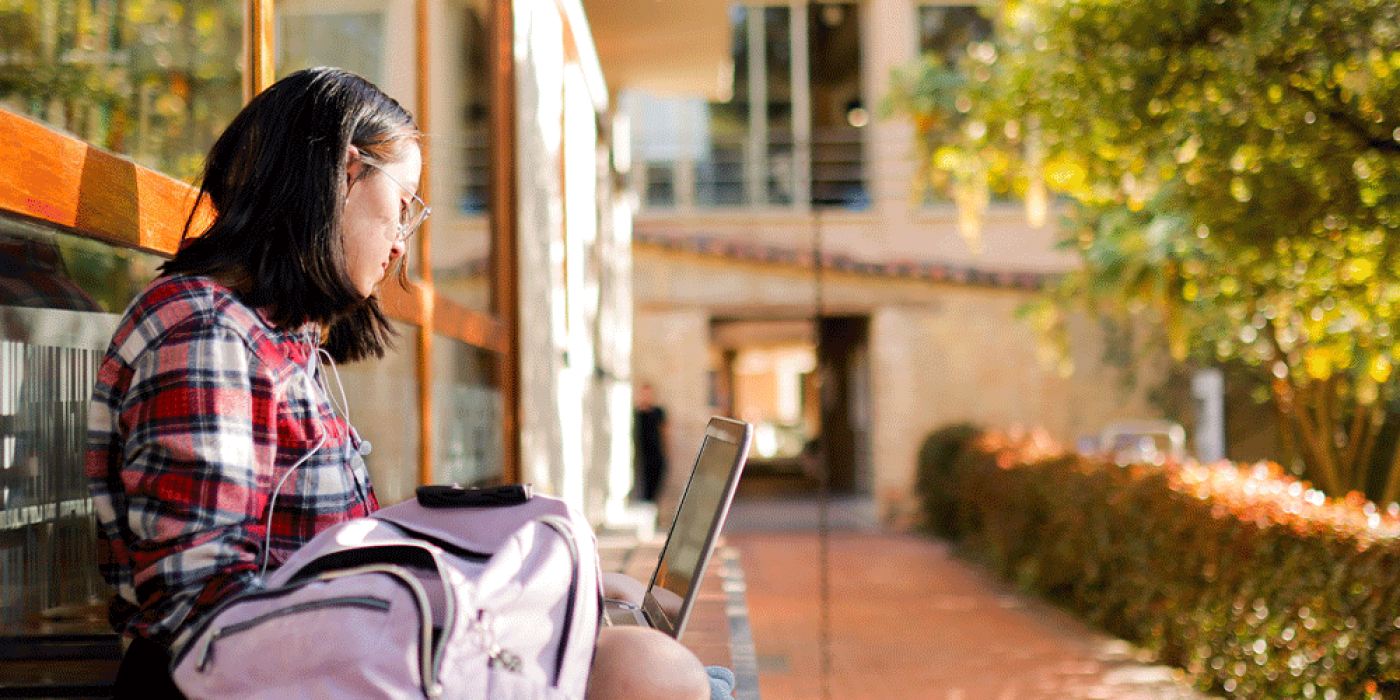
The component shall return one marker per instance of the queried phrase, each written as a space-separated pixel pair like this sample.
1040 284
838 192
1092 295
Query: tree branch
1365 426
1391 492
1317 463
1333 107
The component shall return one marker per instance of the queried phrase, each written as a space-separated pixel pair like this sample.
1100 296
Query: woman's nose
398 249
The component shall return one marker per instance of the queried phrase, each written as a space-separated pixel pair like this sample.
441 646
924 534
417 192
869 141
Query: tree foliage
1232 165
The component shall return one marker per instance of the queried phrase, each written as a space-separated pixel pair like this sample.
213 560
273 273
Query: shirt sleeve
196 466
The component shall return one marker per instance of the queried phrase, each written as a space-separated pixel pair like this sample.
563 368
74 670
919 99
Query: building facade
789 268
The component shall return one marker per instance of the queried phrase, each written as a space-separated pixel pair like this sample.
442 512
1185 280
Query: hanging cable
823 469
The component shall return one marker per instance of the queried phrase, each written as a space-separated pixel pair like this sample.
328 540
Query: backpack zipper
562 527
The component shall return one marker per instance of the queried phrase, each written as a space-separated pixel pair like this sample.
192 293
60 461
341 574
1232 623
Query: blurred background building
780 228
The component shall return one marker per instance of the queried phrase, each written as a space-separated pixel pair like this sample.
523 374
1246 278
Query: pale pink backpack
414 602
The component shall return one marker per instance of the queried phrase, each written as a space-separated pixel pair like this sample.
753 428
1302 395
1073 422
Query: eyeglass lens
411 213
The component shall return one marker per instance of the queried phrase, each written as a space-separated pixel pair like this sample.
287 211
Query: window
776 169
947 31
469 177
660 185
459 142
353 41
157 85
789 135
838 112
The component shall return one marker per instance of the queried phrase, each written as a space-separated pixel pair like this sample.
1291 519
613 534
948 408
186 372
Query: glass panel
670 135
382 397
466 415
719 180
778 165
660 185
461 157
156 81
350 40
947 31
719 174
55 292
464 154
41 267
838 178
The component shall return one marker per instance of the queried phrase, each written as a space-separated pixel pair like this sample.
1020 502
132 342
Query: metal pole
823 471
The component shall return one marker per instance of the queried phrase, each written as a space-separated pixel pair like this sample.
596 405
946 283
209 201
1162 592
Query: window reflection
41 267
350 40
466 415
463 146
460 147
155 80
59 295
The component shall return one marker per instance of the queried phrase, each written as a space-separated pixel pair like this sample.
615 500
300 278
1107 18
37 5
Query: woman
214 447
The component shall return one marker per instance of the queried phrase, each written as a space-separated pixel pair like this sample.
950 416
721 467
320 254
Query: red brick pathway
910 621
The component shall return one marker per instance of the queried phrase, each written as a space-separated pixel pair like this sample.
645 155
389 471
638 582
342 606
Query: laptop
700 515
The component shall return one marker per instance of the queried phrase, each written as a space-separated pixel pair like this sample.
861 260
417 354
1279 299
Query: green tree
1231 165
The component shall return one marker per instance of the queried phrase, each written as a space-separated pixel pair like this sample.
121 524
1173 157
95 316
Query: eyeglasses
412 213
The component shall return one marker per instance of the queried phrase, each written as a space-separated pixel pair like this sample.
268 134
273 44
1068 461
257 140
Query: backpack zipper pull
503 659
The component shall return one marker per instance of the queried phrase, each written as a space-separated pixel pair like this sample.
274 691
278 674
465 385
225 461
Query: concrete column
676 362
801 108
889 40
756 150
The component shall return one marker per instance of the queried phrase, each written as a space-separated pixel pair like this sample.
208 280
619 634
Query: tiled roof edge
901 269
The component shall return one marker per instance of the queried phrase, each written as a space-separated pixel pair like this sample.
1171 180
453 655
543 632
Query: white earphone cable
272 502
342 407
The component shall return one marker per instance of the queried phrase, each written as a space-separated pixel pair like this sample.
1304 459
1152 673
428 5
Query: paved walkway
908 620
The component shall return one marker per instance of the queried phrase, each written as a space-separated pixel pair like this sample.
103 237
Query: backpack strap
398 554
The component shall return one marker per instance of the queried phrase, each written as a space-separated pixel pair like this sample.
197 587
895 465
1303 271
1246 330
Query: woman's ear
353 163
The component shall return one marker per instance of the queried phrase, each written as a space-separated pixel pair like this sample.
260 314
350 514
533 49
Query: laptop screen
698 519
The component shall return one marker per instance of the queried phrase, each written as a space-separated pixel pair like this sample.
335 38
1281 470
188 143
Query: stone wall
937 353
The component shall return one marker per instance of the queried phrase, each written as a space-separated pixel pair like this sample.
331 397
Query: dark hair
276 179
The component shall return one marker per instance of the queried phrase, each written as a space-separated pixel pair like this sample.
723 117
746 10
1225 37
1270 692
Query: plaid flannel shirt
200 409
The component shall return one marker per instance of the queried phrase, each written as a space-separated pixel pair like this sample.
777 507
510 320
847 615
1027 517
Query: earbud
361 446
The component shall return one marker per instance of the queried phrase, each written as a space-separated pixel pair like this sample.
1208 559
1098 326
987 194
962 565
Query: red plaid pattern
200 408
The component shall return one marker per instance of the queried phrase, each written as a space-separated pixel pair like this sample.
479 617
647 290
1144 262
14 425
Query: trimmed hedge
1246 578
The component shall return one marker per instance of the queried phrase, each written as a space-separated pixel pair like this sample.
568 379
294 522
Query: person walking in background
650 429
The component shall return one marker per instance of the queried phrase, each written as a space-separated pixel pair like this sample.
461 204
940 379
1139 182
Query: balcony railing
830 172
